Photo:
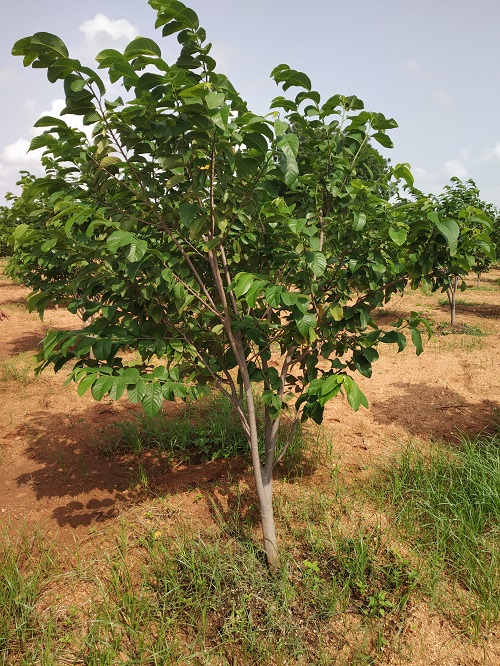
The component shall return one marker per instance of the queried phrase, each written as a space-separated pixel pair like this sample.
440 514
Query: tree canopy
231 250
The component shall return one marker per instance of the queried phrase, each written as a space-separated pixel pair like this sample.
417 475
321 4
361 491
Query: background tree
471 223
224 249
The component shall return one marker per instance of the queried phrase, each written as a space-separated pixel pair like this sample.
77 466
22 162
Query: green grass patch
20 368
206 429
448 505
461 328
26 566
461 302
154 599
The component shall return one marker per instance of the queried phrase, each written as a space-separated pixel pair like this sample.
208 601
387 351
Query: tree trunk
268 527
452 298
263 475
478 280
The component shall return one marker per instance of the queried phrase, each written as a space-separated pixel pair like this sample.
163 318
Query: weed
460 302
18 369
205 430
25 567
461 328
449 505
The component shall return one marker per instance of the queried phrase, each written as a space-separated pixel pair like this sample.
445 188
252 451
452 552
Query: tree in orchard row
478 231
224 249
472 231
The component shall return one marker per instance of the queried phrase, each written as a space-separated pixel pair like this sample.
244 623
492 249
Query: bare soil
53 475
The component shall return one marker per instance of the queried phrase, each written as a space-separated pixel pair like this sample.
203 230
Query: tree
471 225
228 252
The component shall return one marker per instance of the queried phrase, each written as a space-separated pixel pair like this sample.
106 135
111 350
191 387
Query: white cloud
412 69
15 156
7 76
17 153
432 182
443 98
456 168
102 27
492 154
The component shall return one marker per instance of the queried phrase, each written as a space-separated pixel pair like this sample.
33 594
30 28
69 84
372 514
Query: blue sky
433 65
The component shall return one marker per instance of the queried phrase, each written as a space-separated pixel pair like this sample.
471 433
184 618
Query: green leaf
337 312
254 291
355 397
450 230
316 262
290 77
383 139
402 172
102 348
289 145
280 127
52 44
118 388
137 250
359 221
136 391
86 383
399 236
101 386
175 180
243 282
417 340
305 322
142 46
78 85
109 160
187 212
50 121
118 239
152 399
214 99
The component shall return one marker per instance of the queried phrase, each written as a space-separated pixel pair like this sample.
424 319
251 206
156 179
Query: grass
160 594
463 336
205 598
461 302
154 591
460 328
207 429
448 505
26 566
19 369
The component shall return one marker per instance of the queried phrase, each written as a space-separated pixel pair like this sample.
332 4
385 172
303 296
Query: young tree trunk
478 284
451 292
263 475
267 520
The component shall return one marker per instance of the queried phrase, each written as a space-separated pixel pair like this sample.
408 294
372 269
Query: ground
54 476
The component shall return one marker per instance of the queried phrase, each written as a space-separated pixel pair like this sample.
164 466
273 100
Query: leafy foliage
227 248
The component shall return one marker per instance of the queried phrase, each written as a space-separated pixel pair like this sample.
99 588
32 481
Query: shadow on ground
434 412
476 309
82 484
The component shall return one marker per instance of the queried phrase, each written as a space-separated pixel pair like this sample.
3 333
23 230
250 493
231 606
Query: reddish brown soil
53 475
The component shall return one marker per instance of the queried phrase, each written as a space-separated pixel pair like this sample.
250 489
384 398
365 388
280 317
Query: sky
432 65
